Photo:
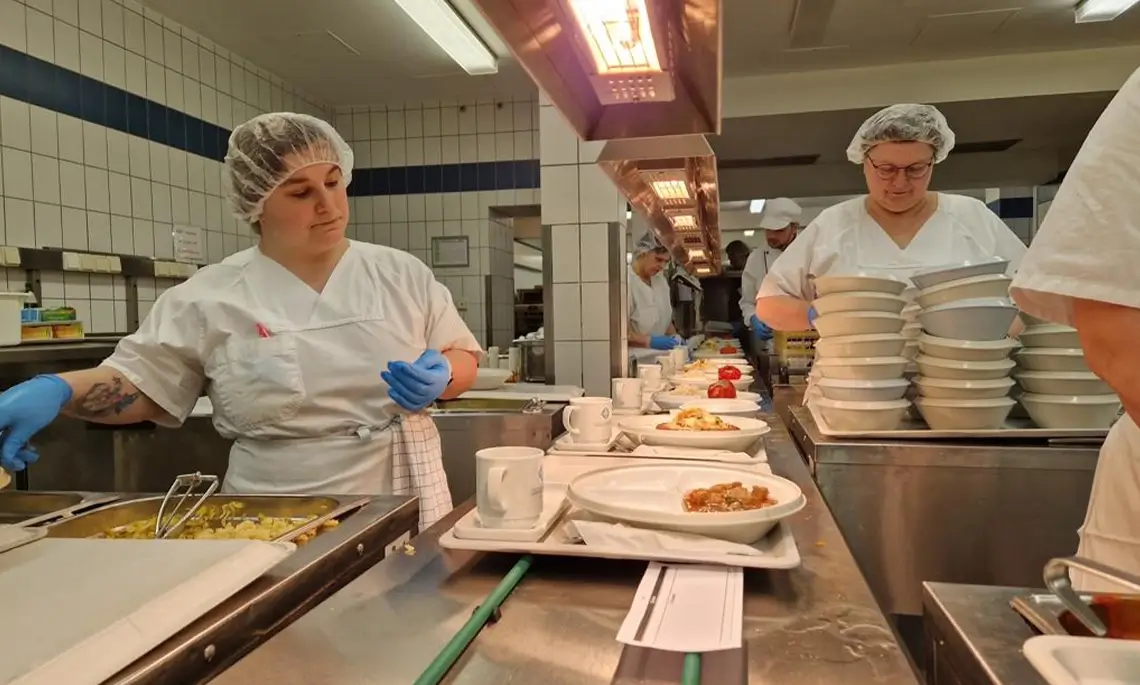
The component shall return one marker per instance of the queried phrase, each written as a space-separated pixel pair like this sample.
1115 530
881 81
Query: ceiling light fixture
443 24
703 270
756 206
1091 11
696 254
749 233
683 221
624 52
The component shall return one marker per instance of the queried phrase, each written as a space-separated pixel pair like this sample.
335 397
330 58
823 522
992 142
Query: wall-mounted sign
450 250
189 245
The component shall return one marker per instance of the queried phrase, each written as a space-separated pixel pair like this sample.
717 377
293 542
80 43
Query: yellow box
795 345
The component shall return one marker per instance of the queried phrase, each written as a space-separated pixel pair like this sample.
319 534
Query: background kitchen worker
899 228
651 327
780 220
1081 271
737 252
318 352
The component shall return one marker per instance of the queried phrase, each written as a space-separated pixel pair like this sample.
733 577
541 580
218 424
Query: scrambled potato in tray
223 522
696 420
726 497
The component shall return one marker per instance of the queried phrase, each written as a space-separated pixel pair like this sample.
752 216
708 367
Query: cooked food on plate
724 497
719 345
693 390
699 365
697 420
223 522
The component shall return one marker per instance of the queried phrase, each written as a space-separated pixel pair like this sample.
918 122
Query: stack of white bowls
859 356
1060 390
963 361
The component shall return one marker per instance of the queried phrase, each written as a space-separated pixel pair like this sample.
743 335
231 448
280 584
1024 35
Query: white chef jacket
755 269
845 239
306 406
1088 248
650 308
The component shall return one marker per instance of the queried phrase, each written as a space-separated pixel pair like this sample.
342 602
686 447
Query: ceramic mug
589 419
508 486
626 393
680 357
650 375
668 365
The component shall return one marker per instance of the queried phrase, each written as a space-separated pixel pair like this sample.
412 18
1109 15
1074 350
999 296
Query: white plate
670 400
723 407
643 429
566 443
652 496
1067 660
553 504
703 381
702 354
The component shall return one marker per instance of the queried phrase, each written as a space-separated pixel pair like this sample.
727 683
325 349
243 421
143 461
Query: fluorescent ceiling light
628 257
618 34
696 254
683 221
756 206
749 233
704 270
671 190
1102 10
444 25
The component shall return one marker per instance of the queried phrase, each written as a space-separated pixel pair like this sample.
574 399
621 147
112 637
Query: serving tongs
168 523
1059 583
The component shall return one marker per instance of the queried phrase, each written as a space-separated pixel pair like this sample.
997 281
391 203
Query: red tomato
728 373
727 350
722 390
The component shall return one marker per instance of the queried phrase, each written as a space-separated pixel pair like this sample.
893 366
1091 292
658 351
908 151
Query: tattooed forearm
104 399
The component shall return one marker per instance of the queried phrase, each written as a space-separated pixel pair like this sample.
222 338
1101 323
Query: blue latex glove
760 329
663 342
416 385
812 315
24 411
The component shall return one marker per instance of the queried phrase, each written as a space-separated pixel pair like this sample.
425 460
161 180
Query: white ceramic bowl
672 400
644 430
863 416
994 285
1050 335
704 381
935 367
873 345
489 379
1052 359
735 407
652 496
1071 411
966 350
981 319
977 414
950 389
862 391
858 283
862 368
857 323
911 331
1061 383
859 302
936 276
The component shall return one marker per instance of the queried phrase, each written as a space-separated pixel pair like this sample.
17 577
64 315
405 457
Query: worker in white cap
780 220
897 229
1081 271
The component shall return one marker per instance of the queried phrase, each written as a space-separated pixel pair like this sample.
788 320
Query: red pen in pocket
263 332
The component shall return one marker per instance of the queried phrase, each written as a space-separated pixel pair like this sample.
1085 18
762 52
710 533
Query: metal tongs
1058 581
168 522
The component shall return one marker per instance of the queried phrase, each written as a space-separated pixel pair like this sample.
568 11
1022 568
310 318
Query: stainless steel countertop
95 349
977 621
816 624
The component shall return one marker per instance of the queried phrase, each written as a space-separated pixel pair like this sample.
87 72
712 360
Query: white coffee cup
508 486
680 356
626 393
650 375
492 357
668 365
589 419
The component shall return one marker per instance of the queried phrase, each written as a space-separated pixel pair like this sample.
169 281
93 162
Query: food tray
299 507
1014 429
34 508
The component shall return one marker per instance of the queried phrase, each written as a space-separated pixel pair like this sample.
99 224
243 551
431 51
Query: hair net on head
266 150
903 124
647 243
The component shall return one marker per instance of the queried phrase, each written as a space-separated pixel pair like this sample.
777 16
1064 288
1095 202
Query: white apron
650 311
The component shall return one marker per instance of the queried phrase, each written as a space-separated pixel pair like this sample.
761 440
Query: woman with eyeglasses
898 228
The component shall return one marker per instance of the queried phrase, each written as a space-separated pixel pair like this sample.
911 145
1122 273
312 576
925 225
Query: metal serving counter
986 513
816 624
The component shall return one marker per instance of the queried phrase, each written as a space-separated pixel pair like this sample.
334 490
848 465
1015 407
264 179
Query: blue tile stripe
1013 207
36 82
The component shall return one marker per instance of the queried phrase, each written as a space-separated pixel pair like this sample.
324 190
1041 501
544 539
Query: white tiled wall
72 184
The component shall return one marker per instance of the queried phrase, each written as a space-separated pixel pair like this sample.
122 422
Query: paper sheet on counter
686 608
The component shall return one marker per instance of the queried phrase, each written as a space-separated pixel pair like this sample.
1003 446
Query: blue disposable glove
24 411
812 315
760 329
663 342
416 385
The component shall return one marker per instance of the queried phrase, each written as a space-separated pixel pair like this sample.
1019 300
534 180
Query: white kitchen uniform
845 239
1087 248
650 310
306 405
755 269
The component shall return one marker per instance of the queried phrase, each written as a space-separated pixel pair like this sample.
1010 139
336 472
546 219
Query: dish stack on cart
1059 389
963 361
859 363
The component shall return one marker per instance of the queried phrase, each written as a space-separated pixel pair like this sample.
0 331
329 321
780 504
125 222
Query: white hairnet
647 243
903 124
266 150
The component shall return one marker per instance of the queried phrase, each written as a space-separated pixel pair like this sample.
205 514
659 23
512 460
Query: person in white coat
1081 271
319 353
651 330
780 220
897 229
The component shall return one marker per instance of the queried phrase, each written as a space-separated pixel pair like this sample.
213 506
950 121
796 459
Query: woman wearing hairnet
651 327
897 229
1081 271
318 352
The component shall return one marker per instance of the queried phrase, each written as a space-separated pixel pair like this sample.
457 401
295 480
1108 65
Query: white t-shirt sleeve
163 358
790 273
1089 244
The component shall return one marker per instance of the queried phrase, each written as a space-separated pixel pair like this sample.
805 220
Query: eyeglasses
914 171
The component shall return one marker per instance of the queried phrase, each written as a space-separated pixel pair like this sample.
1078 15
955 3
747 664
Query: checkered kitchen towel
417 467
